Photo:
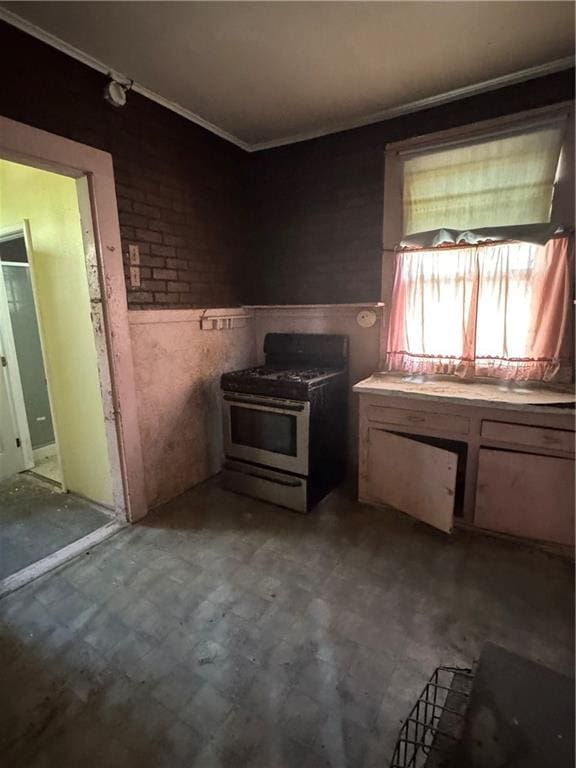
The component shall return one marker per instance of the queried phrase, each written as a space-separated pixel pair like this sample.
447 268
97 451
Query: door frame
93 172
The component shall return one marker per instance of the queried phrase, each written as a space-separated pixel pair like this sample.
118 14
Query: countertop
468 393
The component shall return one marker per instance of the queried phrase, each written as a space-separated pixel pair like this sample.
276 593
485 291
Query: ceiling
267 73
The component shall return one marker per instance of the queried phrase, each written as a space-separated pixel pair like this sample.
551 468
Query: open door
11 456
12 459
15 445
412 476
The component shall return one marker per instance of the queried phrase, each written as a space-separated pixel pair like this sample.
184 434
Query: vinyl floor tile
222 631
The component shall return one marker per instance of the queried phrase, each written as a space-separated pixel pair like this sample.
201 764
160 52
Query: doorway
55 423
92 174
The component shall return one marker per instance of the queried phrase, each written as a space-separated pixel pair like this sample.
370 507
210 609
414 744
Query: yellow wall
50 204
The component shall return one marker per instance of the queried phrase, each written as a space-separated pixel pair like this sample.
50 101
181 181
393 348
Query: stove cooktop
278 381
296 365
281 373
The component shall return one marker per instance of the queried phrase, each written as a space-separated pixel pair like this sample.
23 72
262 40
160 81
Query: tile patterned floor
37 519
227 632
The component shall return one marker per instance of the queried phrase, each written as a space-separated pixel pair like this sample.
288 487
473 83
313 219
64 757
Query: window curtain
499 182
500 310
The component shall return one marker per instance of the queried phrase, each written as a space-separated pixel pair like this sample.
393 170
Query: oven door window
265 430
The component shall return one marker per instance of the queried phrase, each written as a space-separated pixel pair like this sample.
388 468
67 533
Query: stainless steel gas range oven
285 421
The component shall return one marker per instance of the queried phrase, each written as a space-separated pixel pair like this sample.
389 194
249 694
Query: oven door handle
266 404
291 482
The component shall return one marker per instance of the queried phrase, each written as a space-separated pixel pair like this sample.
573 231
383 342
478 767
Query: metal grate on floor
431 731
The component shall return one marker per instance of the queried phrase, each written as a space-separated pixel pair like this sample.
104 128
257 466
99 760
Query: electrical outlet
134 254
135 277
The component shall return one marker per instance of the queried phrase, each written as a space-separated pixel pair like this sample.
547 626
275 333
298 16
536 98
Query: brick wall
217 226
180 188
318 206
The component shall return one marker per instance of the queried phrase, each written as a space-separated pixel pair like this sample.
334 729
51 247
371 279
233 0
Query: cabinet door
526 495
411 476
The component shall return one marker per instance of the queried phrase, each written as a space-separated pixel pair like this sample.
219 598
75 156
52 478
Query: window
499 182
499 310
496 307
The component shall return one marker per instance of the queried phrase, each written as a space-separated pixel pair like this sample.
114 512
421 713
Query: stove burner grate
282 374
311 373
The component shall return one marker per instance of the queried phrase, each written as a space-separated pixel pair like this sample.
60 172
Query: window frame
563 202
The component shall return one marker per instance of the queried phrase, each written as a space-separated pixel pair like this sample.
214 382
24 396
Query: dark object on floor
521 715
431 731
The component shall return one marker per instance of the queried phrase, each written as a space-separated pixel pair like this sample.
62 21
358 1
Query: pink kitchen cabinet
417 478
526 495
472 455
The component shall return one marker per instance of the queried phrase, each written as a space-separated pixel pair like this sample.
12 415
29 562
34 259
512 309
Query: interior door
15 447
11 455
411 476
25 332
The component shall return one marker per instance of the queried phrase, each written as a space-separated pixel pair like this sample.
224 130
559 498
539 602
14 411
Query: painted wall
50 204
177 367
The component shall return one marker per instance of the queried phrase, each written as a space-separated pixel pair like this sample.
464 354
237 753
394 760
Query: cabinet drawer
406 418
540 437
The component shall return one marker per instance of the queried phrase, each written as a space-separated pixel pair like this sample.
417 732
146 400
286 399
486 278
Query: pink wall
178 367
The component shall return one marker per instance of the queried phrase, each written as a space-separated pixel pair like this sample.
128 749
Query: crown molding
427 103
90 61
485 86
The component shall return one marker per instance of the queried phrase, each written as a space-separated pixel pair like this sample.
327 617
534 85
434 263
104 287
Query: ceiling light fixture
116 90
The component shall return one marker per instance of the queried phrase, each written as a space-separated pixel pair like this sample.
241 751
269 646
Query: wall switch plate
135 277
134 255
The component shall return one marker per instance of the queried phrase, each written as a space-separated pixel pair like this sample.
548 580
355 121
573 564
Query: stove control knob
366 318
